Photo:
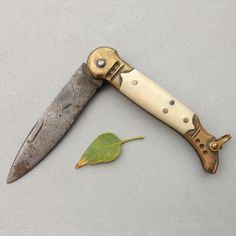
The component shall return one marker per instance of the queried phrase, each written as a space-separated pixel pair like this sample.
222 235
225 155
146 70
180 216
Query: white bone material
157 101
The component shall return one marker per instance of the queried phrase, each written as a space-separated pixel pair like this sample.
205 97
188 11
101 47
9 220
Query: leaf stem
131 139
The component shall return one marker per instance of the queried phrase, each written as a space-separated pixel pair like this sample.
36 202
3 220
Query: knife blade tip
11 178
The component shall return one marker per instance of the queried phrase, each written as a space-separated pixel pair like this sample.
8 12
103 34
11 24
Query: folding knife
104 63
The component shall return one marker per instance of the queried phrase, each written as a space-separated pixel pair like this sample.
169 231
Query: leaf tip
80 164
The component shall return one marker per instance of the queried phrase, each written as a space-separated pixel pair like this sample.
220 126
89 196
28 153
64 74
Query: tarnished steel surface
55 122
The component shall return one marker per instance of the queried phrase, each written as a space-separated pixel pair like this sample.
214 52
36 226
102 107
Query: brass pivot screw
214 146
101 63
217 144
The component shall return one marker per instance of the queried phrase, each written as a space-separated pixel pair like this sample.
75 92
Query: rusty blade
55 122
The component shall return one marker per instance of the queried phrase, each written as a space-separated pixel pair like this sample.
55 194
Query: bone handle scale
106 64
156 100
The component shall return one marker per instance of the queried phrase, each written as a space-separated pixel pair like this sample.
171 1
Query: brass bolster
206 145
111 68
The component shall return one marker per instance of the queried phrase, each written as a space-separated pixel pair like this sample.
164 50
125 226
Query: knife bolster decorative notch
105 63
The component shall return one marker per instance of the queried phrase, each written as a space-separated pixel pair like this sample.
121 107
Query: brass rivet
197 140
165 110
205 152
101 62
185 120
214 146
134 82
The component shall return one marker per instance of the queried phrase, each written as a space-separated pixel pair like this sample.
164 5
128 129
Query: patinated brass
217 144
206 145
112 67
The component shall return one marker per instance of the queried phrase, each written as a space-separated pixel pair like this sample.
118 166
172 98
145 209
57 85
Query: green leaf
105 148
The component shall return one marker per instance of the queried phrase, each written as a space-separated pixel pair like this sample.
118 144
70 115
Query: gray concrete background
157 186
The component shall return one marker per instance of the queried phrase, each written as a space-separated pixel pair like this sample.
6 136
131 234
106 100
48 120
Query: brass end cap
101 60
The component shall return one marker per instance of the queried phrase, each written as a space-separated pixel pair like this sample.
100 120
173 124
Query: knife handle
105 63
157 101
